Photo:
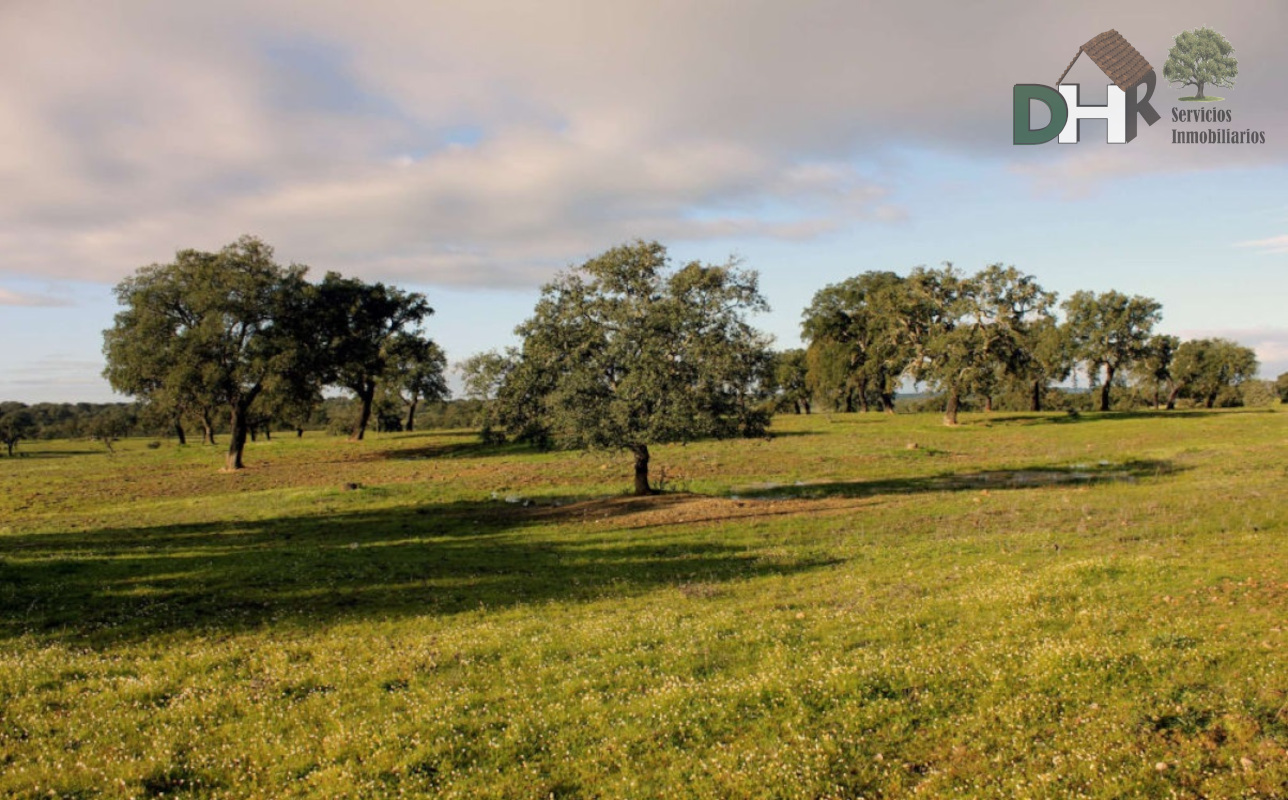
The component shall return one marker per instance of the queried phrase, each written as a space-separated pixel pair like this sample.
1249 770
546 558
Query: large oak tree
625 352
229 327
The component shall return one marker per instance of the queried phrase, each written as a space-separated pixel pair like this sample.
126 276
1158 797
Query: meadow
1027 605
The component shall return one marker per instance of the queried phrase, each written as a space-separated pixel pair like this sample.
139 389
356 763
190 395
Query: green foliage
971 334
624 352
1203 368
828 376
113 425
1281 386
484 374
212 329
417 368
791 381
1152 374
856 329
16 423
1257 394
1047 357
1110 331
1201 57
366 330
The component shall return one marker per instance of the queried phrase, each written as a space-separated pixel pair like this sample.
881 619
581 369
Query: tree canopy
417 368
1110 331
861 321
16 423
1204 367
624 352
226 327
359 325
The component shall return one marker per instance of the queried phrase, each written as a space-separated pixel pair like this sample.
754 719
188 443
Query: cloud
55 379
1275 244
11 298
488 143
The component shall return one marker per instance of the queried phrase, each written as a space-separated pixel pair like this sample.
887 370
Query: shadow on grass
1065 418
110 586
1025 478
42 454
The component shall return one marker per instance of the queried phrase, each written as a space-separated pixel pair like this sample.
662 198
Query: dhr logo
1123 65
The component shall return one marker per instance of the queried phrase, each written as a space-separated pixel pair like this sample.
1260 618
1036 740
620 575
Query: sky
471 150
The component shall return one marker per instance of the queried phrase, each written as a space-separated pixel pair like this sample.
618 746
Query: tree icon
1201 57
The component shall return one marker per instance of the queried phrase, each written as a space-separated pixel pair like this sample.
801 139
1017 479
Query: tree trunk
1199 96
797 405
1104 390
863 401
950 409
1157 399
1211 400
268 433
207 428
806 404
1035 403
367 395
641 470
988 404
411 413
299 432
887 402
1171 398
178 431
236 437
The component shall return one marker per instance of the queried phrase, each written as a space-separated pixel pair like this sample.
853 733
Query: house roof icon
1122 63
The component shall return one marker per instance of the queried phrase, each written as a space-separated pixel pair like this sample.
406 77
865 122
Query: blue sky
469 154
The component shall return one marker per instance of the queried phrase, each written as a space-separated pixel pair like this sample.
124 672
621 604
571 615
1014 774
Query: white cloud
488 143
11 298
1275 244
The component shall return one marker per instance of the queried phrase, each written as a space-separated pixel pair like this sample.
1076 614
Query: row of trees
235 333
626 351
996 331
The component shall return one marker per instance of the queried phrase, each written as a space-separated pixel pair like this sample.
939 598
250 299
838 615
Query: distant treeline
109 422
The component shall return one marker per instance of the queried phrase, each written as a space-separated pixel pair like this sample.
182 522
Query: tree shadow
1022 478
1070 418
450 450
21 453
111 586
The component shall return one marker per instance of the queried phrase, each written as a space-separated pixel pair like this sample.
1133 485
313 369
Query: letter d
1023 94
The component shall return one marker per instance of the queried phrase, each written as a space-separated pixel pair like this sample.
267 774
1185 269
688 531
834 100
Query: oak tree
228 327
1110 332
358 324
625 352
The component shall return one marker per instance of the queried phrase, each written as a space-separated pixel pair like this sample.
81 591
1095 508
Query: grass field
861 606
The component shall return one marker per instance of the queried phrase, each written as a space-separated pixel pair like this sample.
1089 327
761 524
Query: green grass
862 606
1205 99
